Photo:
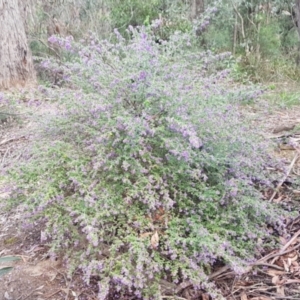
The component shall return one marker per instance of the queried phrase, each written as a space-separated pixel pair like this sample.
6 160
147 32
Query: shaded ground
276 274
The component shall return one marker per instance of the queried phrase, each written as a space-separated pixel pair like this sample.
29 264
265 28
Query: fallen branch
275 255
270 265
47 297
282 251
32 292
276 296
219 272
286 175
5 141
4 156
173 298
290 242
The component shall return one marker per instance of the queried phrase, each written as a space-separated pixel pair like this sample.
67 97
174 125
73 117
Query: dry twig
47 297
282 251
5 141
219 272
4 156
286 175
269 256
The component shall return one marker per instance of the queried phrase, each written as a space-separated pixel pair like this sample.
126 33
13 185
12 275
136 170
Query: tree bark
197 8
297 14
297 25
16 66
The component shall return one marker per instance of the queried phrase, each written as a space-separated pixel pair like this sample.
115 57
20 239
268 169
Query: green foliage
134 12
263 35
287 99
218 38
173 15
267 70
290 40
261 32
269 40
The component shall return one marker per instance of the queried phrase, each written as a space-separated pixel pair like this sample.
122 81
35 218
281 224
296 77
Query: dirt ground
34 275
37 277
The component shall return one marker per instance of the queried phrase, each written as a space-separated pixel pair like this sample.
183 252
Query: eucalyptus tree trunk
16 66
297 14
297 25
197 8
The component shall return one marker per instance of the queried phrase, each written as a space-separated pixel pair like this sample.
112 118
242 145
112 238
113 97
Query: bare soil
35 276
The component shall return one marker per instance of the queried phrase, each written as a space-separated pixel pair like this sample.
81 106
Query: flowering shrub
147 174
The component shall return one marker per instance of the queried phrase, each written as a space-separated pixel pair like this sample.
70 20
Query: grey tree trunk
297 14
16 66
297 25
197 8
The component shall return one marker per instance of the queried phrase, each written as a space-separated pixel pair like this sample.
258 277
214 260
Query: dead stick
10 140
173 297
270 265
276 296
268 256
219 272
275 255
30 293
4 156
286 175
53 294
290 241
287 245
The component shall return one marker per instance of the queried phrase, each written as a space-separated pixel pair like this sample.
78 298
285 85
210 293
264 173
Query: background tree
16 66
262 34
297 15
197 8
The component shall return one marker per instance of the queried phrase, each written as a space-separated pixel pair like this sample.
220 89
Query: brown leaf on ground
286 265
273 272
278 199
292 259
244 296
282 240
290 281
294 267
276 280
283 128
241 283
155 240
280 290
280 262
145 235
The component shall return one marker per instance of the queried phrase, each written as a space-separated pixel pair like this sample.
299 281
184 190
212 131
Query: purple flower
156 23
142 75
195 142
53 39
68 46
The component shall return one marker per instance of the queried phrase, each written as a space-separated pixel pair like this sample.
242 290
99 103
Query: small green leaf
5 270
9 258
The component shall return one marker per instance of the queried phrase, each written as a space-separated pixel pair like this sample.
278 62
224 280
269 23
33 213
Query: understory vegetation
148 173
263 36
